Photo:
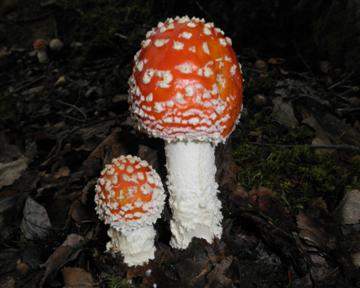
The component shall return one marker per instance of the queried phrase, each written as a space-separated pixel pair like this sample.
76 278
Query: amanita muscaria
40 47
186 88
130 198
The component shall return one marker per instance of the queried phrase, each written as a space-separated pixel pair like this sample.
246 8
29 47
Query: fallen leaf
11 171
349 207
260 100
312 234
356 259
261 65
79 213
8 282
60 81
68 251
62 172
35 223
77 278
227 169
22 267
217 275
283 113
120 98
269 203
109 148
276 61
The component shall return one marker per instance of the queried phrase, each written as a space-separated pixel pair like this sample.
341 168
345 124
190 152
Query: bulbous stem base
136 246
193 192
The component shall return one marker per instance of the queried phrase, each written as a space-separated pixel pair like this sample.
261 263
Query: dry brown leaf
8 282
62 172
217 275
311 233
109 148
11 171
227 169
22 267
68 251
276 61
79 213
77 278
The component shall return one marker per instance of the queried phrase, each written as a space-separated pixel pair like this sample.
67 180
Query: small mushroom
40 47
186 88
130 198
56 44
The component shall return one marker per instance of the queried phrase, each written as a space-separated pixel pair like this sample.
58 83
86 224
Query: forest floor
288 175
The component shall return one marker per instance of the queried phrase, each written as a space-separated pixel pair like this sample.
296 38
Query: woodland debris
36 223
283 112
11 171
350 207
75 277
67 251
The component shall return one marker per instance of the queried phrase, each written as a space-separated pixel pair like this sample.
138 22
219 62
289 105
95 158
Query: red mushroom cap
39 44
186 82
129 193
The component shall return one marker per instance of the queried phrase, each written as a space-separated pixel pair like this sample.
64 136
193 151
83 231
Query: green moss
113 281
298 174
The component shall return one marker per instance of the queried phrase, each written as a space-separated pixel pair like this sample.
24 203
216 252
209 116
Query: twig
73 106
337 147
73 118
341 81
347 110
26 85
122 36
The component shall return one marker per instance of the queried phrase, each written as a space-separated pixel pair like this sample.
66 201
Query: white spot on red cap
205 48
207 31
208 72
222 42
160 42
149 97
186 68
189 91
149 73
166 78
228 40
178 45
192 49
159 107
233 70
186 35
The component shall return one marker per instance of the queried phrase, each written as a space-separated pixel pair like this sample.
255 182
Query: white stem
193 192
42 56
137 246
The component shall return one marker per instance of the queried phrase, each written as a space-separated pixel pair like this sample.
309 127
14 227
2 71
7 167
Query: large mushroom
130 198
186 88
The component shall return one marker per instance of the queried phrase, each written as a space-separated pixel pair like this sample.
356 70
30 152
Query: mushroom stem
42 56
193 192
136 246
